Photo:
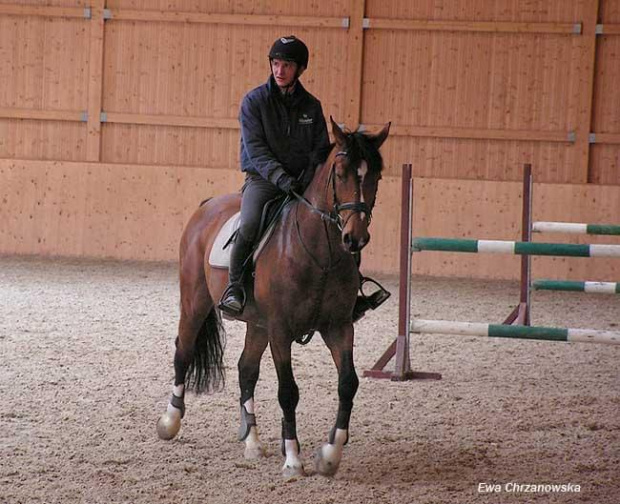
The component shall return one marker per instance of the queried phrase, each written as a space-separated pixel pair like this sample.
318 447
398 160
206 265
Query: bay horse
305 279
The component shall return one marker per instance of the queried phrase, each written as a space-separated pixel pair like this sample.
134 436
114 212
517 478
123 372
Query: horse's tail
206 370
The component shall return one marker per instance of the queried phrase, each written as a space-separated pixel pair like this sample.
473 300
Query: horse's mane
359 146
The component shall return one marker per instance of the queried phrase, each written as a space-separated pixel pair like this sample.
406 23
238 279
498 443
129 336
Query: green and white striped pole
518 332
575 228
566 285
515 247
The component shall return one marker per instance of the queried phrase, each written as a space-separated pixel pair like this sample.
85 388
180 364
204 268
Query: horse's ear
339 136
380 137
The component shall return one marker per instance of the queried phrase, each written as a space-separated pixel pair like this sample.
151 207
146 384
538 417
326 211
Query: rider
283 137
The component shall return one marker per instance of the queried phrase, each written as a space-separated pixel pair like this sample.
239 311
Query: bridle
334 216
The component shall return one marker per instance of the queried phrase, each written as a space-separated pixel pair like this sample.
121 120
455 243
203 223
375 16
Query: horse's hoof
254 452
291 472
327 460
168 426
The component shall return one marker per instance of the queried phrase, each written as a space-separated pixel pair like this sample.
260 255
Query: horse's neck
319 192
320 235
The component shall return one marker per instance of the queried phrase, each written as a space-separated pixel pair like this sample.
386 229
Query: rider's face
284 72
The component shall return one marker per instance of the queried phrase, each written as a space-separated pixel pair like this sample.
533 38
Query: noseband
334 216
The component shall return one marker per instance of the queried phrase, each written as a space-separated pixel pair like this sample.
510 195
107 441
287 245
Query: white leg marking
254 449
328 457
292 465
249 405
169 423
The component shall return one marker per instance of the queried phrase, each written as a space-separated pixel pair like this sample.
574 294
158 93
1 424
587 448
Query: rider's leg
365 302
256 192
233 298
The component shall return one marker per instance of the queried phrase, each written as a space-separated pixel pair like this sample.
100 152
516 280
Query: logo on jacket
304 119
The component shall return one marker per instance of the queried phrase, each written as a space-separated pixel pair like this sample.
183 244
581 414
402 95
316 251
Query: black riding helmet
290 49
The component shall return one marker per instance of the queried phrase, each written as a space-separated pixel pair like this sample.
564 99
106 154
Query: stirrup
229 302
371 302
377 298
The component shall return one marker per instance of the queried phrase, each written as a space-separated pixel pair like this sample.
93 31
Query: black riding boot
364 302
233 298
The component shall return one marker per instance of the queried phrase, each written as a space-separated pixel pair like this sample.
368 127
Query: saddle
220 252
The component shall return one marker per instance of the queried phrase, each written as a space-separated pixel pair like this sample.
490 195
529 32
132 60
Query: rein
334 216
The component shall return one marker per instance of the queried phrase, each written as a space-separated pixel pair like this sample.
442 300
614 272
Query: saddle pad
220 252
220 256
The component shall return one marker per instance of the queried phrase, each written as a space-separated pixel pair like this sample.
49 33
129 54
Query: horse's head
356 171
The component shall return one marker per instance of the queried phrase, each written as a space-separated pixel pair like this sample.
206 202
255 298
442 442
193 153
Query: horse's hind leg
249 367
199 349
340 343
288 397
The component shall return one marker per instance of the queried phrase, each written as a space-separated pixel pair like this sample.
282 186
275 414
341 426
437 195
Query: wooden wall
136 100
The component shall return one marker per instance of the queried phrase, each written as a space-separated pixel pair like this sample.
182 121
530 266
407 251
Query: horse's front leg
288 397
340 343
249 367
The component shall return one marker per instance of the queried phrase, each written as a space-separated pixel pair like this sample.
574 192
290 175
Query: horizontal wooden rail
44 115
473 26
609 29
476 133
43 11
169 120
233 123
233 19
606 138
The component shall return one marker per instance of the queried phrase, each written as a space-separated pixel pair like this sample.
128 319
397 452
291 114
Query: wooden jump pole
520 332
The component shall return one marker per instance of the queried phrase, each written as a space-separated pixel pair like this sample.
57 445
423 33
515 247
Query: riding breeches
256 193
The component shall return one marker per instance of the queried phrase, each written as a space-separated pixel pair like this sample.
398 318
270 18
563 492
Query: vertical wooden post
402 366
355 61
585 103
521 314
400 346
95 81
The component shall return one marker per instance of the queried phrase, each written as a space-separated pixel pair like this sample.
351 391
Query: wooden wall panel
610 12
478 159
206 147
605 163
44 63
44 67
515 82
510 82
138 212
52 140
101 210
149 70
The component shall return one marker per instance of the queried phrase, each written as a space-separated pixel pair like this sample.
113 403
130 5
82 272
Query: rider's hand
289 184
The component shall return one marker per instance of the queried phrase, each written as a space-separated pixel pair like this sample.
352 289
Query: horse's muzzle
352 243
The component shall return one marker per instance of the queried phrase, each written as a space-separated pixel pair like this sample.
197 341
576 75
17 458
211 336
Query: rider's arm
255 142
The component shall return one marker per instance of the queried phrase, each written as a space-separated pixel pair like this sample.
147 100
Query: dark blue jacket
280 134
